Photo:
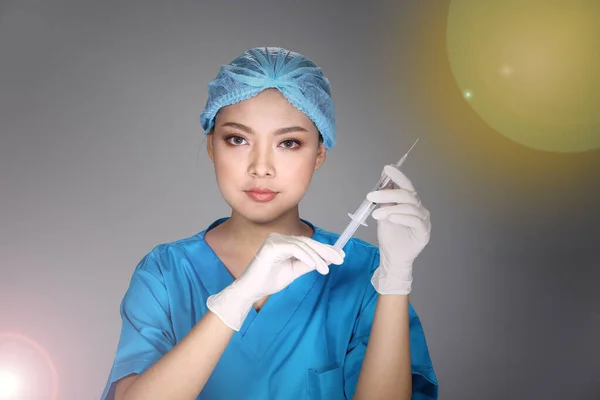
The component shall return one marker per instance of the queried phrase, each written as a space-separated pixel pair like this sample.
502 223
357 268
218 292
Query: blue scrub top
308 341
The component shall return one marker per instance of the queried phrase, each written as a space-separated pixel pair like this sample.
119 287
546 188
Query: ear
321 156
210 145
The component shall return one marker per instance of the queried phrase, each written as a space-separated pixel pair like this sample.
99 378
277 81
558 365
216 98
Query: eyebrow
280 131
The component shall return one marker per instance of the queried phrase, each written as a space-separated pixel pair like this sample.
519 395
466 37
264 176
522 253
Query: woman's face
264 144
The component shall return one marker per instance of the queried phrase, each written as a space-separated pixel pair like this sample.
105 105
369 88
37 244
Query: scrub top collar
261 328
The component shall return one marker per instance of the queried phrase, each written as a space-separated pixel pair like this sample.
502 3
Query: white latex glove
280 260
403 231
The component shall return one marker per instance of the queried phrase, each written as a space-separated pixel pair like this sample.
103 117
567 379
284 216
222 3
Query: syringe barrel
364 211
382 182
347 234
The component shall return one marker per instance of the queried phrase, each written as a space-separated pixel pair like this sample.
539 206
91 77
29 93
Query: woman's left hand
403 231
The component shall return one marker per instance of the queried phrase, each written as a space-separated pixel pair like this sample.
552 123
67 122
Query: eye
235 140
290 144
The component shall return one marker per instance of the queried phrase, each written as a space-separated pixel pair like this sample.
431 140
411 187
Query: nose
261 163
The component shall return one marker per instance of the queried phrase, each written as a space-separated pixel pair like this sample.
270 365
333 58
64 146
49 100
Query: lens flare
10 384
530 70
26 369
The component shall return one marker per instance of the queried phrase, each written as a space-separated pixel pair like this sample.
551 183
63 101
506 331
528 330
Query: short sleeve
424 380
146 332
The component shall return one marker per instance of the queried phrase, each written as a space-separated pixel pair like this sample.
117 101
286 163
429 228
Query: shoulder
164 257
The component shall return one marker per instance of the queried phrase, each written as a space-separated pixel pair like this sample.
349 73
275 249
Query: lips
260 194
260 190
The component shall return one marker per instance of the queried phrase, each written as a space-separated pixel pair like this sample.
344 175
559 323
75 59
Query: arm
378 351
151 362
386 370
184 370
403 231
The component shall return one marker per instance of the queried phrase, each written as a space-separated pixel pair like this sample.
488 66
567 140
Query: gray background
102 158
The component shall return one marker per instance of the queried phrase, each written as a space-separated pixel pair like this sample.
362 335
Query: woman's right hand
280 260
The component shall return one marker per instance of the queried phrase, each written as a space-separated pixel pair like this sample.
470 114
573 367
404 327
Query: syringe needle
411 147
401 161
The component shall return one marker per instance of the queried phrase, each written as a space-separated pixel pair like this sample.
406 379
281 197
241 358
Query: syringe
365 209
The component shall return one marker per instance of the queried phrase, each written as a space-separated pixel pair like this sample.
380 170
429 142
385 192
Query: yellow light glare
534 66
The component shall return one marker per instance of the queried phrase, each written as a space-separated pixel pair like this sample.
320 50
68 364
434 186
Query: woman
252 307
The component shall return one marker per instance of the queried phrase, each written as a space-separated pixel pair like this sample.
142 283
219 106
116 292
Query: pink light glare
16 372
10 383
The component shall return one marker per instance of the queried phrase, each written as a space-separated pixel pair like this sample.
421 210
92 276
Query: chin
260 216
260 219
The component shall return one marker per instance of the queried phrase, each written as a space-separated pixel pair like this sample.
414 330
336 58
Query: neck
248 236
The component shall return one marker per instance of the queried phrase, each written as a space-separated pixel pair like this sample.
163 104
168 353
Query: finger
398 177
289 250
297 244
293 246
404 209
393 196
418 227
327 252
299 268
320 264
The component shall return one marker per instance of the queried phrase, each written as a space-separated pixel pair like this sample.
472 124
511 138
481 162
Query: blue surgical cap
299 79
